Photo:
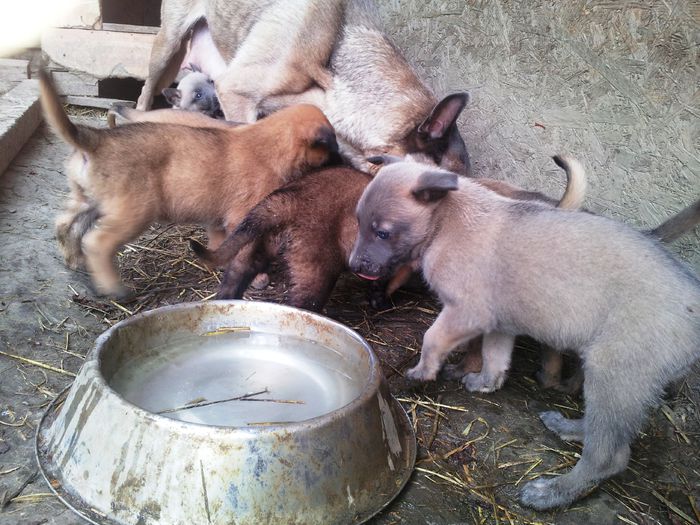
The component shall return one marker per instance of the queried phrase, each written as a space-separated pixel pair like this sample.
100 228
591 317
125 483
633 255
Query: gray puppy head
395 216
195 92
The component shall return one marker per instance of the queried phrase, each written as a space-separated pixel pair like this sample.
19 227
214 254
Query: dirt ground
615 83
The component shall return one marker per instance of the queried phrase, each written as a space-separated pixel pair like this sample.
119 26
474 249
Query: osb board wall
613 82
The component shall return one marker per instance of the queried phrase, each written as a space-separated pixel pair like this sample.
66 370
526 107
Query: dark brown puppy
310 223
124 179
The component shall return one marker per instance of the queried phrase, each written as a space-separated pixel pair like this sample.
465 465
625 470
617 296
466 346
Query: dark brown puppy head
436 140
395 216
305 130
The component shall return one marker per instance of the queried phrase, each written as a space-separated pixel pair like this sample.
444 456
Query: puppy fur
570 279
331 53
134 175
195 92
550 374
310 225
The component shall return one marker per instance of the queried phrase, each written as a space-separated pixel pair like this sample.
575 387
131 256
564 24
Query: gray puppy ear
173 96
383 160
434 185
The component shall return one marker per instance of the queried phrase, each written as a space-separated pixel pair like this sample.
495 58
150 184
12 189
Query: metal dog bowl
227 412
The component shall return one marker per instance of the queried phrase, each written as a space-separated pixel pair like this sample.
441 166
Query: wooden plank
126 28
102 54
20 115
86 13
74 83
12 72
96 102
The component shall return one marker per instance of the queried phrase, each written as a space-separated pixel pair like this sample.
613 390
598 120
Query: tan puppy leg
100 246
470 362
549 376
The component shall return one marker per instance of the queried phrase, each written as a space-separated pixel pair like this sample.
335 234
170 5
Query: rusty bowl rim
369 389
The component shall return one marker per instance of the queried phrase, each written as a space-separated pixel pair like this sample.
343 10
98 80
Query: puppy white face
394 217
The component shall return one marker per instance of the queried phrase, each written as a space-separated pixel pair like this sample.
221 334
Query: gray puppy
195 92
569 279
330 53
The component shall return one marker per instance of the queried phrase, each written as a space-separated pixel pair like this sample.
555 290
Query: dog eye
197 95
382 234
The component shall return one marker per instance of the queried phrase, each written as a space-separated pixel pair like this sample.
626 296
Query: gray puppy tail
679 224
575 182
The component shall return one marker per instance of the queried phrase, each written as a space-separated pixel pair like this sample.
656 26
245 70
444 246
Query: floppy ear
443 115
173 96
434 185
383 160
325 138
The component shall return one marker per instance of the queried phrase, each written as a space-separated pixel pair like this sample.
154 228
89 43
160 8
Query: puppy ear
434 185
383 160
173 96
443 115
325 138
195 68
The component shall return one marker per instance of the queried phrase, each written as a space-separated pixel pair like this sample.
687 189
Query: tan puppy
131 176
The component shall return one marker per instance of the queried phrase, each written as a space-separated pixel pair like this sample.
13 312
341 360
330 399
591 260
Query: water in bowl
239 379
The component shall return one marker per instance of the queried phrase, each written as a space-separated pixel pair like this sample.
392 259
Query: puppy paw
483 382
261 281
566 429
549 493
419 373
452 372
547 380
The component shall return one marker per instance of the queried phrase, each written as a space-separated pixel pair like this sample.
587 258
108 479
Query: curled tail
575 182
80 137
677 225
270 214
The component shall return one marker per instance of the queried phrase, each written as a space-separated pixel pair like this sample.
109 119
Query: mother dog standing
325 52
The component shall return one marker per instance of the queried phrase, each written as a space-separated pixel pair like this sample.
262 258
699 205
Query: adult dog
330 53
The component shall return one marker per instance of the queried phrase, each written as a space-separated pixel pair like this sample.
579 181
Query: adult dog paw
483 382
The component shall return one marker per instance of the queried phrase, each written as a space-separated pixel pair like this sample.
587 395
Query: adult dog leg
168 52
496 351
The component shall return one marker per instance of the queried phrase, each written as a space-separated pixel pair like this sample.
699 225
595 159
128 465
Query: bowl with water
227 412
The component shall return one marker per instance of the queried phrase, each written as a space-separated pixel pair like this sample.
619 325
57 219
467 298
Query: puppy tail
676 226
575 182
80 137
269 215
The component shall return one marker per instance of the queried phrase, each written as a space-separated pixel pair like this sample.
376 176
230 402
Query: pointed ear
195 68
173 96
444 114
383 160
434 185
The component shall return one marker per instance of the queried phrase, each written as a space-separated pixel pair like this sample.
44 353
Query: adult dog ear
443 116
434 185
173 96
383 160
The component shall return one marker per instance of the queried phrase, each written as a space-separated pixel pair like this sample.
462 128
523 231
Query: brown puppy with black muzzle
572 280
310 225
125 178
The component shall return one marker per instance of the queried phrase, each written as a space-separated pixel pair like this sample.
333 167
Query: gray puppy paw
566 429
452 372
542 494
419 373
483 382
